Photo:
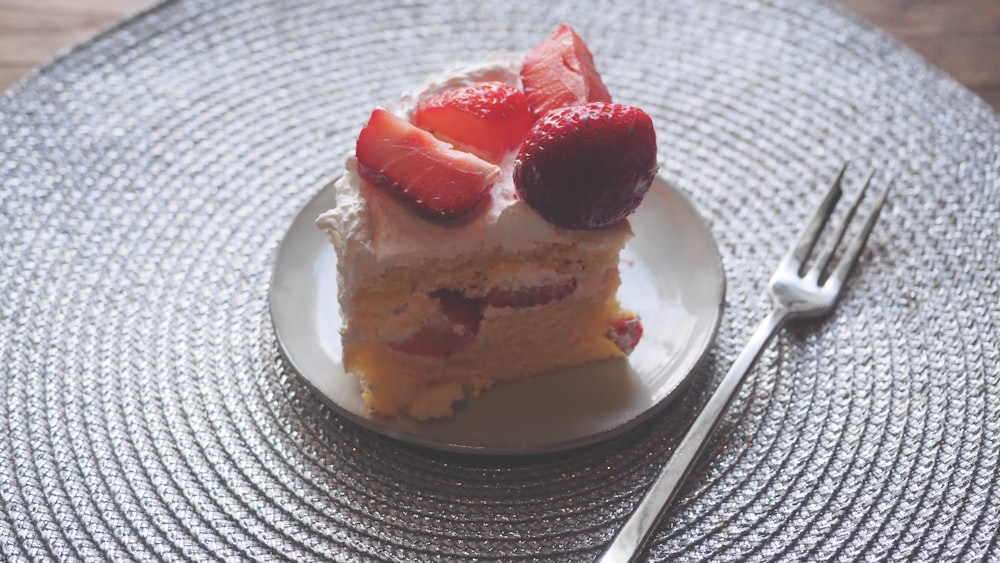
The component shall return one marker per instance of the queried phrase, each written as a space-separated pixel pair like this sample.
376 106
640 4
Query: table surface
961 37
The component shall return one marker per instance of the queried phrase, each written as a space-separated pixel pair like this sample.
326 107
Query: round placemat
147 177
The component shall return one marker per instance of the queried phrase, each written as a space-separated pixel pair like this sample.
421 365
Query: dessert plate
671 275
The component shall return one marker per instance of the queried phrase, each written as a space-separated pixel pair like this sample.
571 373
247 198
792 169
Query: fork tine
838 275
823 258
807 238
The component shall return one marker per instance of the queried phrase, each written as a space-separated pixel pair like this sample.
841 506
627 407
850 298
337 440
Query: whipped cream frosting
373 231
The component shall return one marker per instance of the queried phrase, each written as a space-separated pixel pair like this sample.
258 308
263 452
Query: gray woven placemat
147 178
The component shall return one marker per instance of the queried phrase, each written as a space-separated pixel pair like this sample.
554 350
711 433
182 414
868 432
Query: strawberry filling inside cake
478 228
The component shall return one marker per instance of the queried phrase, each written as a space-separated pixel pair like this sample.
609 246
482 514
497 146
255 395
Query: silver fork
798 290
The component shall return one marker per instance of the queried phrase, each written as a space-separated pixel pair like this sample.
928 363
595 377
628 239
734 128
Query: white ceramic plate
671 275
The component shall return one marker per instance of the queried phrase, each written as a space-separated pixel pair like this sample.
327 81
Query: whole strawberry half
436 180
589 166
486 118
560 71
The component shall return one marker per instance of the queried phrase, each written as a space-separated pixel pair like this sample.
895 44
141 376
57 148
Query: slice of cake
478 227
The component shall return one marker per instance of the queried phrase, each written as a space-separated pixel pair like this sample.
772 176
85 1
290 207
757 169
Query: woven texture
147 177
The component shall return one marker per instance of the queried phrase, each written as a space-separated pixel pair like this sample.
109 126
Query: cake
478 226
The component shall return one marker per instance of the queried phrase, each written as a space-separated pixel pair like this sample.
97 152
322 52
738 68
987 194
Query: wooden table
962 37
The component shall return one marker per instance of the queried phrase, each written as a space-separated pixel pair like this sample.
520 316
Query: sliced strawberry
459 309
430 342
559 72
626 333
443 337
587 167
436 180
487 118
530 296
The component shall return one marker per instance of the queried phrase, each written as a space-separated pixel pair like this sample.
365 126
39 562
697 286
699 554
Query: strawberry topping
487 118
428 174
589 166
560 72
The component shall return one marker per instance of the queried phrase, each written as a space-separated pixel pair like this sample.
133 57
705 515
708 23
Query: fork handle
630 540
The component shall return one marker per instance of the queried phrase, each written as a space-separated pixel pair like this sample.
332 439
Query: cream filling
421 310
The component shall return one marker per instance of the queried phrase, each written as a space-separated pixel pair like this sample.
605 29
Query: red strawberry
488 118
435 179
587 167
559 72
532 296
626 333
460 309
430 342
442 338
